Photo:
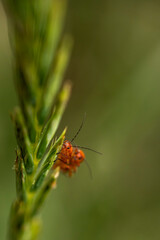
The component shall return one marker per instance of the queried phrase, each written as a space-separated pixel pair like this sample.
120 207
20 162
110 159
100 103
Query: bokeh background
115 70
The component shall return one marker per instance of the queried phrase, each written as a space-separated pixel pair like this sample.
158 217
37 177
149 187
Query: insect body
69 158
67 150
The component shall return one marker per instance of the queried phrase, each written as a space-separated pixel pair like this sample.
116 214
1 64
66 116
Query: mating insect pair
70 157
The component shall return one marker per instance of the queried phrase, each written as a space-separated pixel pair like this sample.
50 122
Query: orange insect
70 157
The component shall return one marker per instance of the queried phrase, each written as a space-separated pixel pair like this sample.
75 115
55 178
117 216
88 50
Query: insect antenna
89 168
90 149
79 128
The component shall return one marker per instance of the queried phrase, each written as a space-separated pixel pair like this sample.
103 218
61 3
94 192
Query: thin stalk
40 57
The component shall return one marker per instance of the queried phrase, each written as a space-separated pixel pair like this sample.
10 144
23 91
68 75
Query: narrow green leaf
53 122
53 29
47 165
26 79
17 220
29 121
54 79
25 93
44 190
23 140
20 177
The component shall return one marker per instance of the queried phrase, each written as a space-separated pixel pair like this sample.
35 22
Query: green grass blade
52 124
55 79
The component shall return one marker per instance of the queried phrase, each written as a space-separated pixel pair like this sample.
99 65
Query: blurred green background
115 70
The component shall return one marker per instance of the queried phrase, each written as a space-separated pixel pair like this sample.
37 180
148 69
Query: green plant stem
40 56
